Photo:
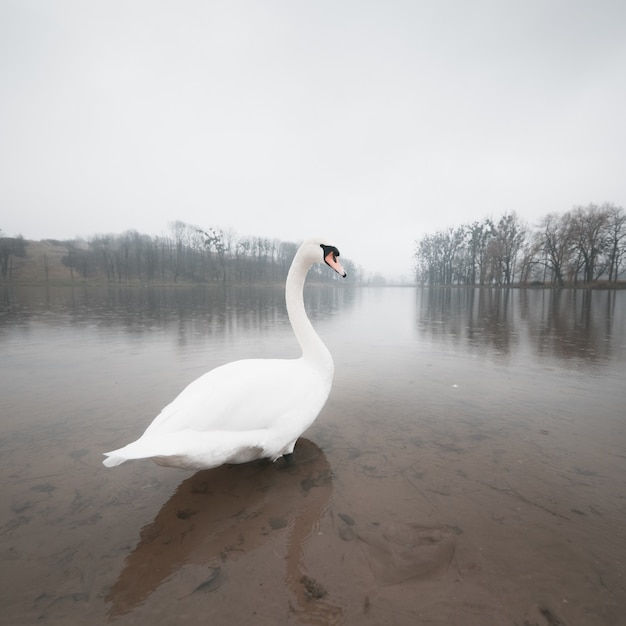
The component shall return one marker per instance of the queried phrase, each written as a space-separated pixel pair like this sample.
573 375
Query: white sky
373 121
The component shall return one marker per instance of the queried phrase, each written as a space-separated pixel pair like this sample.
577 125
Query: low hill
41 263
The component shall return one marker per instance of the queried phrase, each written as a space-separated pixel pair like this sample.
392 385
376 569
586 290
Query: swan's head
321 250
331 258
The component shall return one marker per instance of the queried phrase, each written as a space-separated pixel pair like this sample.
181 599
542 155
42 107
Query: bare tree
478 235
504 246
440 257
553 245
214 242
589 233
616 241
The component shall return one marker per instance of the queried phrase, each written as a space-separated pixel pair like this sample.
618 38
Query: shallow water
469 467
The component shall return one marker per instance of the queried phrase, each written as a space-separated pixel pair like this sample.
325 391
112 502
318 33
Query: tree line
581 246
186 253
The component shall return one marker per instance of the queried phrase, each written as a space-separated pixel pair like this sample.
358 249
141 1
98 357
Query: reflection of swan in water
228 536
224 514
249 409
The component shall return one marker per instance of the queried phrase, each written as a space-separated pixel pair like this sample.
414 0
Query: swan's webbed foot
289 460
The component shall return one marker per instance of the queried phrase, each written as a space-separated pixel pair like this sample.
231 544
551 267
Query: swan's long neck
313 348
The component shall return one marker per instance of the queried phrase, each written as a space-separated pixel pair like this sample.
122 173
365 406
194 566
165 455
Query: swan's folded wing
246 395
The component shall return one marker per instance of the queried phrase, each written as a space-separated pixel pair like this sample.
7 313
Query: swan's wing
247 395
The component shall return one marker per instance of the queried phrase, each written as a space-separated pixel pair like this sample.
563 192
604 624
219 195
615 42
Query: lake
469 467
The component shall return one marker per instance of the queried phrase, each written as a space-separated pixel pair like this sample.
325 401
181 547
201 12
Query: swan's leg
288 454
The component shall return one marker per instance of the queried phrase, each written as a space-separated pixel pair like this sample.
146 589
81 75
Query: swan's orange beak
331 261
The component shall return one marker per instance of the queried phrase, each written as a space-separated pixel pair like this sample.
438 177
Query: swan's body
250 409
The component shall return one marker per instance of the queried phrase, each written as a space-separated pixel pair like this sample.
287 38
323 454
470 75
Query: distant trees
582 245
187 253
579 246
439 256
479 253
10 247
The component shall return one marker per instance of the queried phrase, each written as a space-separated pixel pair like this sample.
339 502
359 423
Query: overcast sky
374 122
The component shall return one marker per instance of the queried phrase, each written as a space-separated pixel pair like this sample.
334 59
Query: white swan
250 409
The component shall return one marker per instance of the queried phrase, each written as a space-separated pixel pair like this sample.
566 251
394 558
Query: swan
248 409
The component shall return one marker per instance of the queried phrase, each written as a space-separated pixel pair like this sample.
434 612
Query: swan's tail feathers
112 460
194 450
133 451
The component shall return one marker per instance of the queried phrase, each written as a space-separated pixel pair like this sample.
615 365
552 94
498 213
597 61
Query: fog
374 123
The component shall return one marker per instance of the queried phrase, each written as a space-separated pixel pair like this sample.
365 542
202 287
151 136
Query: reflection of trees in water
195 312
564 323
477 316
572 323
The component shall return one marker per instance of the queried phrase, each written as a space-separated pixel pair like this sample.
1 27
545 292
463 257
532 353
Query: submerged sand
463 528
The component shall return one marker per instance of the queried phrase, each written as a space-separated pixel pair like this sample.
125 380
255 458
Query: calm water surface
469 467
